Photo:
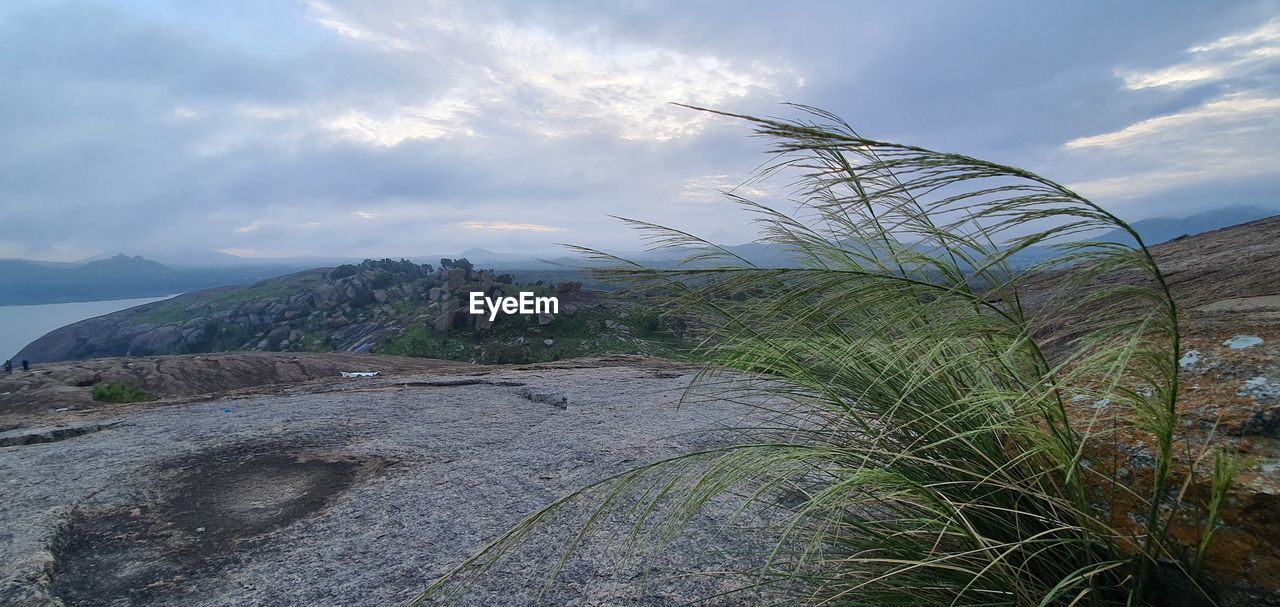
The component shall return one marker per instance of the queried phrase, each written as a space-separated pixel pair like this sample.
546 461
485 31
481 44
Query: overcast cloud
404 127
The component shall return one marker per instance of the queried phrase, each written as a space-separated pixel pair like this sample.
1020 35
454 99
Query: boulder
193 337
279 333
337 321
159 340
457 278
325 297
443 322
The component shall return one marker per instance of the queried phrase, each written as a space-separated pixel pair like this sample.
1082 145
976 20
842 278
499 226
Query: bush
404 268
112 392
461 262
501 353
919 446
647 324
421 342
343 271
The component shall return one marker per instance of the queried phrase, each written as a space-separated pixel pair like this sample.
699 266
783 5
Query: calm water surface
21 325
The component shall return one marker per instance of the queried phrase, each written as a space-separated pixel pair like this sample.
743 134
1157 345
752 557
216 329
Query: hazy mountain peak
1162 229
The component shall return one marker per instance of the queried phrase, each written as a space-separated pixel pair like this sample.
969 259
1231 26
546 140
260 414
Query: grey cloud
125 129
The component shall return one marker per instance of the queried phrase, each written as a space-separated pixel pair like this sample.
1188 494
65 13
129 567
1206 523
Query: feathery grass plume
920 448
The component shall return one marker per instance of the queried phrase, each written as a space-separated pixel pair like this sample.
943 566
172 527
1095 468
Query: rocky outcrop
1227 287
318 310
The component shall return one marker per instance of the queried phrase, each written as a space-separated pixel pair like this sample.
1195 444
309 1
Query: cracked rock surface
357 492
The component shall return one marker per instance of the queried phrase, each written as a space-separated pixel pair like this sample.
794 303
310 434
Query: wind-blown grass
923 452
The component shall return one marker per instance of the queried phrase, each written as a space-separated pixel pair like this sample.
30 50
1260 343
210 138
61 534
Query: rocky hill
393 307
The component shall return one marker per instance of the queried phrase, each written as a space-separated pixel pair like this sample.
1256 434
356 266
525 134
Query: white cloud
249 227
1266 33
328 16
1206 123
1227 57
502 226
1138 184
479 74
1178 75
621 88
1229 136
712 188
437 120
541 82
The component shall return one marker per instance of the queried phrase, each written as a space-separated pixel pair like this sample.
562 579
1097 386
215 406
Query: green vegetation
460 263
175 310
921 447
343 271
593 331
119 393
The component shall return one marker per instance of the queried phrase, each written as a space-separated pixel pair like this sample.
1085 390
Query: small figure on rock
25 365
8 366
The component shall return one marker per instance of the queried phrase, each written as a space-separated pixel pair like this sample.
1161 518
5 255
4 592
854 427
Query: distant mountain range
1164 229
118 277
1153 231
168 272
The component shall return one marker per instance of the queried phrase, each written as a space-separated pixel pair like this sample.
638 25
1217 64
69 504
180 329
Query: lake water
21 325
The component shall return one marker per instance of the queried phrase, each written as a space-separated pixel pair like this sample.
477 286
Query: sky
406 127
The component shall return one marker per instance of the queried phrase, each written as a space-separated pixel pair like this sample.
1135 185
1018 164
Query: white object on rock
1240 342
359 373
